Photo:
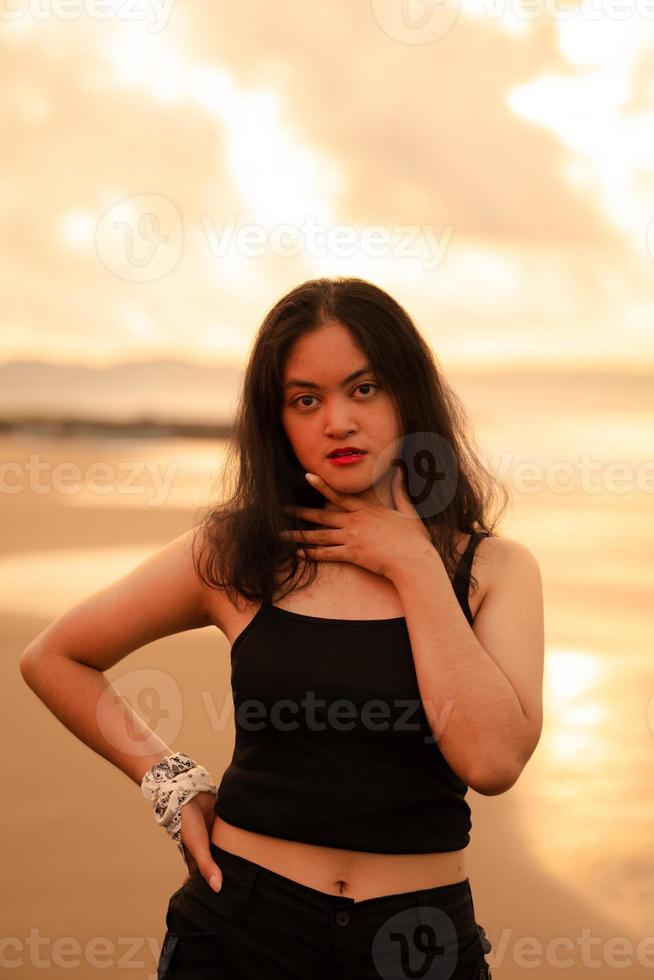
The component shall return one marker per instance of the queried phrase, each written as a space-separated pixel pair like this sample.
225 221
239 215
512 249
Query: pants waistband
242 877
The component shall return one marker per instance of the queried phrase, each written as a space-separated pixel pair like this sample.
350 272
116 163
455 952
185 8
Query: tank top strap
461 580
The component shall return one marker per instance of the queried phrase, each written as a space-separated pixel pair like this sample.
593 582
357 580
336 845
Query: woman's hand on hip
197 817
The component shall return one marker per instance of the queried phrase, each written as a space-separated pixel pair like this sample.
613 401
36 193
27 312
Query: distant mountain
176 391
167 390
538 390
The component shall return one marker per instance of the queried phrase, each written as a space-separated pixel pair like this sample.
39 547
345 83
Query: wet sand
86 867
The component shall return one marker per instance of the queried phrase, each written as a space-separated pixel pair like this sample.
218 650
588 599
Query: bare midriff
352 874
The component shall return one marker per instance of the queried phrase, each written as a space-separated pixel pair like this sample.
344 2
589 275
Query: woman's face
331 413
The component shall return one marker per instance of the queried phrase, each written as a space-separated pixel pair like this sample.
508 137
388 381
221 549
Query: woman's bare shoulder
500 556
498 549
494 555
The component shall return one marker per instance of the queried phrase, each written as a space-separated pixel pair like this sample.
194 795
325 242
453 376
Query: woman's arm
481 686
64 664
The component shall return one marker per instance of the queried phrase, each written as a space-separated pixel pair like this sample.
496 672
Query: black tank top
332 744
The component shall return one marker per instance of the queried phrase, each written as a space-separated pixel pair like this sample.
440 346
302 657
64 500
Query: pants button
342 918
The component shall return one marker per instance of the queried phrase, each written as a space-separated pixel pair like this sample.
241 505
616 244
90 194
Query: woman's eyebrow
298 383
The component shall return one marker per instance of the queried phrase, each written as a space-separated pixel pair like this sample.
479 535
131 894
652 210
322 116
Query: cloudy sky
170 169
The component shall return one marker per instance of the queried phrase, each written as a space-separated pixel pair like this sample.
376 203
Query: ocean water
585 798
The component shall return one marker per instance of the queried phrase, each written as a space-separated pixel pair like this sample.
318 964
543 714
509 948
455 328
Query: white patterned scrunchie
171 783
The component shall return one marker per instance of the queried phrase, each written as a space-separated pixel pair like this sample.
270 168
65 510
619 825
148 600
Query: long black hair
237 546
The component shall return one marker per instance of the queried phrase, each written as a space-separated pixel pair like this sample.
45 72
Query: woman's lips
347 460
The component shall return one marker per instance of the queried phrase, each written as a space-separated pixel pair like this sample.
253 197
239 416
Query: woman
375 677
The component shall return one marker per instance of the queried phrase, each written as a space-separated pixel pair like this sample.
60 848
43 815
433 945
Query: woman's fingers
195 841
211 872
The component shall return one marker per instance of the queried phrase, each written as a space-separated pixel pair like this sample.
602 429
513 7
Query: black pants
264 926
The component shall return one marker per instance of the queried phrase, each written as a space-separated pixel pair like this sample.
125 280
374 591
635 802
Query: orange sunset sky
489 163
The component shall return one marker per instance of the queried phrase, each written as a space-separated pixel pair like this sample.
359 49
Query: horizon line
478 366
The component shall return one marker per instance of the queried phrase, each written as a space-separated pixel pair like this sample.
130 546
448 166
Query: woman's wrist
170 783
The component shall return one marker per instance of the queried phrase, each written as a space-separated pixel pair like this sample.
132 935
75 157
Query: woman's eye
302 398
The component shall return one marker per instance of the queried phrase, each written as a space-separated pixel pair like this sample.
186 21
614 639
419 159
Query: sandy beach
560 866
